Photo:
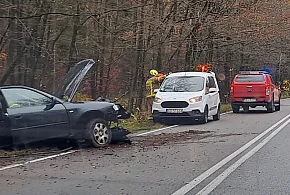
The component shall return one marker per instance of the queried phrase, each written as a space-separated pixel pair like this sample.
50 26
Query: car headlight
195 99
115 107
157 100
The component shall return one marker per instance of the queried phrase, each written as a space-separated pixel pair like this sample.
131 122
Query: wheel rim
101 134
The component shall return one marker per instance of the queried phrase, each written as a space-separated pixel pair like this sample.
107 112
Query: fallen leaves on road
169 138
141 143
19 156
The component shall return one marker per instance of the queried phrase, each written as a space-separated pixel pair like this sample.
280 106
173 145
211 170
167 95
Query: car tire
99 132
235 108
246 108
271 106
204 118
218 114
155 120
278 107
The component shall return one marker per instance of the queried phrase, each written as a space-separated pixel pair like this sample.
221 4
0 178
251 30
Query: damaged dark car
28 115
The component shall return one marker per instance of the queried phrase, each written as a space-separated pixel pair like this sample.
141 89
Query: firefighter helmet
154 72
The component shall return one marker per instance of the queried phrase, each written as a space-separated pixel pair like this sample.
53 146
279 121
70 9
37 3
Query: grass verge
136 126
226 108
147 125
285 95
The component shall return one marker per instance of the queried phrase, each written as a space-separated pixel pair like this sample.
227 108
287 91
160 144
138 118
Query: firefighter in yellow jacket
152 83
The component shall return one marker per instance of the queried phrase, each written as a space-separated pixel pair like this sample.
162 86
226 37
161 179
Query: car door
213 96
30 119
5 131
207 94
275 89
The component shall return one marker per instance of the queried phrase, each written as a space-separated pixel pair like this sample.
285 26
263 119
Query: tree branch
74 15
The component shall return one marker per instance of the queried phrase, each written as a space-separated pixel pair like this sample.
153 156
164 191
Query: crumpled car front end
119 134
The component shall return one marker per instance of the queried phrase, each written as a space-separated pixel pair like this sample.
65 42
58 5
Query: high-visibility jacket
153 83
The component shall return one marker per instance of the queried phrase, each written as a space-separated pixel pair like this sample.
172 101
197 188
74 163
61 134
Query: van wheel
204 118
271 106
235 108
278 107
218 114
155 120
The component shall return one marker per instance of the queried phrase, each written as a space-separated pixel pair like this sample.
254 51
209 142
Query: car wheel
235 108
156 120
99 133
204 119
246 108
218 114
271 106
278 107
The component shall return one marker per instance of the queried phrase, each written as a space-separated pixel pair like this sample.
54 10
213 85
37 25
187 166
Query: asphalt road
245 153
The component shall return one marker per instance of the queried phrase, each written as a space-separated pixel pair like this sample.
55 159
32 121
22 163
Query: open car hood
73 79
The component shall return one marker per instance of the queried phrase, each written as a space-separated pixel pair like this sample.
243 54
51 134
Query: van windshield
250 78
183 84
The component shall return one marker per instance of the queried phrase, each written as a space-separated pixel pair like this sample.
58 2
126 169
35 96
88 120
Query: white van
187 95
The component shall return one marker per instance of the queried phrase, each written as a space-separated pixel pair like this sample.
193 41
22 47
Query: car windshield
250 78
183 84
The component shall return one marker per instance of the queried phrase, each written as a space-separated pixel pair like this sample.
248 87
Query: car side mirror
212 90
51 104
156 90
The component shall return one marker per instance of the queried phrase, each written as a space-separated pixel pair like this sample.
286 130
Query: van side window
207 82
211 82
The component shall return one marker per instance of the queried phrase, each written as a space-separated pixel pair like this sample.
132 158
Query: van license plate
249 100
174 110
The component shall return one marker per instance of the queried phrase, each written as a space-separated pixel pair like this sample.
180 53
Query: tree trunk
40 43
72 48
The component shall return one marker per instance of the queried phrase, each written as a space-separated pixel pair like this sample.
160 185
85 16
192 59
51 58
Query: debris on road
149 142
11 157
119 135
168 138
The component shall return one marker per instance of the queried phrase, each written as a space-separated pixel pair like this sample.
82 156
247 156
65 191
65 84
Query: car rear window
250 78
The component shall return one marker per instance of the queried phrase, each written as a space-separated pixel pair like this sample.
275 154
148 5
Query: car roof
15 86
261 74
252 72
29 88
182 74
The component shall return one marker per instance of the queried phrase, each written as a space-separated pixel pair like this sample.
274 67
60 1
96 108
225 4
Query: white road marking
37 160
186 188
218 180
156 130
